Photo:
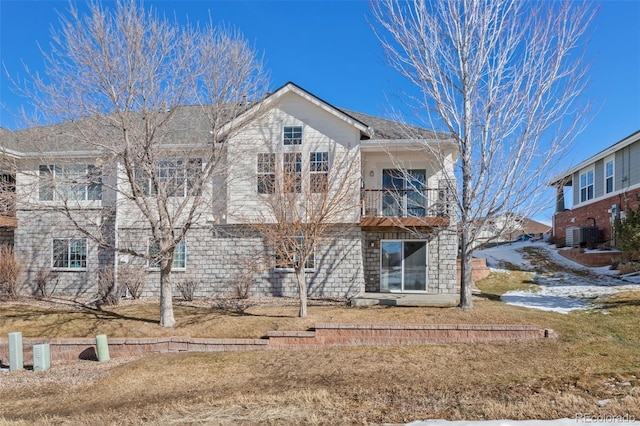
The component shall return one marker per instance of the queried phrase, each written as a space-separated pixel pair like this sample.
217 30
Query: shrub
629 267
10 270
133 279
46 282
628 233
108 294
187 289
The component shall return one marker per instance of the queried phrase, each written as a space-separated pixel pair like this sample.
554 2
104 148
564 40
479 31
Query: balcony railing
7 204
426 202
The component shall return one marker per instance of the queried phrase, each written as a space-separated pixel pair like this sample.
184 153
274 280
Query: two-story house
601 188
399 226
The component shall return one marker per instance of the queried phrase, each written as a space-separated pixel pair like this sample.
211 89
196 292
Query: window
319 172
266 173
293 172
608 176
586 186
292 247
73 182
69 253
179 256
178 177
292 135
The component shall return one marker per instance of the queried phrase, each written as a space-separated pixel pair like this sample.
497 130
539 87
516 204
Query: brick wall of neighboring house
579 216
441 261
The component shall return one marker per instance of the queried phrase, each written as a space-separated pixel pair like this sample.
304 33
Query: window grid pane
70 253
318 171
293 172
292 135
266 173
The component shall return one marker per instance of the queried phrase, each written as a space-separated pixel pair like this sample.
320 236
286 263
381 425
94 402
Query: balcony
405 208
8 209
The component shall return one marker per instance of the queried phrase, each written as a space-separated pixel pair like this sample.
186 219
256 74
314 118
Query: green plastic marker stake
102 347
15 351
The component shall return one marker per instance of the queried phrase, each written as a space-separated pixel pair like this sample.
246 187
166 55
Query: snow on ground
575 287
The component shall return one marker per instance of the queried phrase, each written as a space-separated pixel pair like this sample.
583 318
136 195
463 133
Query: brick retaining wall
324 335
593 259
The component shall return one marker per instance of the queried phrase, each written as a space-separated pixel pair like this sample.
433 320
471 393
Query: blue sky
328 48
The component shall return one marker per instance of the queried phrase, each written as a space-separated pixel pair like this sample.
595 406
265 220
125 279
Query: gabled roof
364 129
191 125
561 179
388 129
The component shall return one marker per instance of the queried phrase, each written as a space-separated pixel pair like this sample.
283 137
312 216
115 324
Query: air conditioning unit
579 236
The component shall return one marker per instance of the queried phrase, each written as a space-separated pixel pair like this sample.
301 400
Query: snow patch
575 288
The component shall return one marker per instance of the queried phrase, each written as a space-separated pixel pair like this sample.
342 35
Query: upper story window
266 173
178 177
608 177
292 172
586 186
319 172
72 182
69 253
179 256
292 135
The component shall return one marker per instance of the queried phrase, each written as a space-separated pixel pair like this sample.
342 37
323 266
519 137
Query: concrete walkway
405 299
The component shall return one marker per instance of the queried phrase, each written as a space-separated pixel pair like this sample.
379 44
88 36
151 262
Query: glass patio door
404 194
403 266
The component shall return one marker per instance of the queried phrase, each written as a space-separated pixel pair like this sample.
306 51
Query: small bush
10 270
133 279
46 282
629 267
108 294
187 289
628 233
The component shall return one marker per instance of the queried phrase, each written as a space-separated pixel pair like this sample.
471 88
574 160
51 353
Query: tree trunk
166 295
302 290
466 265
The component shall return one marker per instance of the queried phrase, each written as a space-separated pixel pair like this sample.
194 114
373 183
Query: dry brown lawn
593 367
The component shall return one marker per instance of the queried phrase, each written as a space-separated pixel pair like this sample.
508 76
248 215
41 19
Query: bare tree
309 198
154 102
503 78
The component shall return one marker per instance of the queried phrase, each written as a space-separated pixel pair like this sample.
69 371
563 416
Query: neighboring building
601 189
400 236
509 227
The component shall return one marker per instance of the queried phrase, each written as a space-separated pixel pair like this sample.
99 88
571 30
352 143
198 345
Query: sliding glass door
403 266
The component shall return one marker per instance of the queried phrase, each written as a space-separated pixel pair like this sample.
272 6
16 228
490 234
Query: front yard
593 367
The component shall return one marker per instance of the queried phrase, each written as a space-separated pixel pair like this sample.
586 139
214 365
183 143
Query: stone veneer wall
219 257
33 241
6 236
441 263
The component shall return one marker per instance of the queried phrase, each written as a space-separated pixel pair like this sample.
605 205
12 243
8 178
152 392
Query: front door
403 266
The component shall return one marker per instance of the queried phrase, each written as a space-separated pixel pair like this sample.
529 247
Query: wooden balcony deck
388 209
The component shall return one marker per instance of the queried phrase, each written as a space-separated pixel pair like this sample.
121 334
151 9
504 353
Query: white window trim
315 173
289 269
580 187
68 268
153 268
301 134
259 173
610 159
55 194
